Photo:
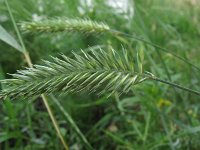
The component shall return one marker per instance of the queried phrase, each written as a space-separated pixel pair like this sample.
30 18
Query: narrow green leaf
140 58
7 38
4 136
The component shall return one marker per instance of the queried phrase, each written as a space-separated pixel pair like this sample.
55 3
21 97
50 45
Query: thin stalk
15 26
154 45
175 85
28 60
119 106
72 123
54 121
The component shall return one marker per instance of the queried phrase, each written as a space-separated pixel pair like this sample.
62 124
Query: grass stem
54 121
72 123
176 85
28 60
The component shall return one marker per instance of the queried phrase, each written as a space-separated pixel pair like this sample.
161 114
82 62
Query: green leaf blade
7 38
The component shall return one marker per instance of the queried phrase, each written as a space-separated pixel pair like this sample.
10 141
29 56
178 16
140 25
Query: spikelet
85 26
92 72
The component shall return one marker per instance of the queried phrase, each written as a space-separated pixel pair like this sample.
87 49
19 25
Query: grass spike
71 75
97 72
53 25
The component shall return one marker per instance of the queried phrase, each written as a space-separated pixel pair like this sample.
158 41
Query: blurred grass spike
95 71
85 26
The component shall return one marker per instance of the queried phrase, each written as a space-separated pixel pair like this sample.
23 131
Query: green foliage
152 116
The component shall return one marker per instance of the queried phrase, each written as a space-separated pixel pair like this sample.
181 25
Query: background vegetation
153 116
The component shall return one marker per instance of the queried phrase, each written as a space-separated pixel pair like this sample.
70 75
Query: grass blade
7 38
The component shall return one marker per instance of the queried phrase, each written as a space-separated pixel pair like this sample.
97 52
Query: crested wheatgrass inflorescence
95 71
85 26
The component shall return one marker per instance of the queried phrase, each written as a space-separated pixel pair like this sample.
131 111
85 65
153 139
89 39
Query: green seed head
85 26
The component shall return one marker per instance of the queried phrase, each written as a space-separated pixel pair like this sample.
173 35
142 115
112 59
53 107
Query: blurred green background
153 116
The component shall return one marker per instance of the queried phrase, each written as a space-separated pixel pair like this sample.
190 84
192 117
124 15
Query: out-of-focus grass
140 120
